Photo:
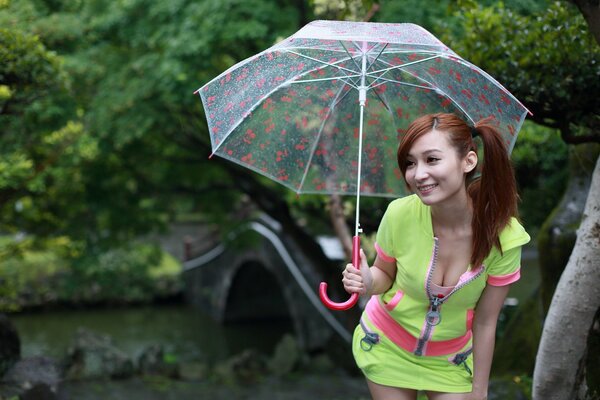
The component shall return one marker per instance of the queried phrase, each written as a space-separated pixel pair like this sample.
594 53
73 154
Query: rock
40 373
193 371
245 368
10 345
40 391
287 356
152 362
321 363
93 356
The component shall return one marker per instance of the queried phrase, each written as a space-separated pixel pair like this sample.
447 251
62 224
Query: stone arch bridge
259 273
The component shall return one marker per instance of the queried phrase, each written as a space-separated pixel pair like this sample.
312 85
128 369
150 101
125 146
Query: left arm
484 336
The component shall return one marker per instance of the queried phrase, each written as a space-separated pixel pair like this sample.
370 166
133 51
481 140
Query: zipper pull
433 316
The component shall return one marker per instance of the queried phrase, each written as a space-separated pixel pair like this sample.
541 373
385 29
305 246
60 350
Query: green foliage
120 275
548 60
346 10
540 159
27 278
31 277
36 139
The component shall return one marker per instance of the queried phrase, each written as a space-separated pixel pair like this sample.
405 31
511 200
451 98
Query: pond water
185 332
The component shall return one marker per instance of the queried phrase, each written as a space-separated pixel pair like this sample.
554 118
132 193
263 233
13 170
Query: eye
432 159
409 164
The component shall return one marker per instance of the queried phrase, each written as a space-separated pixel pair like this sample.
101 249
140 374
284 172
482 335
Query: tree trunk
590 9
338 221
561 354
558 234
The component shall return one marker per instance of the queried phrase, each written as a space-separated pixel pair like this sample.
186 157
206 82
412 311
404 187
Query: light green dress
410 338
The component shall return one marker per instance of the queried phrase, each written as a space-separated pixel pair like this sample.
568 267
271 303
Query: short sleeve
384 239
506 268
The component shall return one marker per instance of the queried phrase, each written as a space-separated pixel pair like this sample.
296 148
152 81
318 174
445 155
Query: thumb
363 259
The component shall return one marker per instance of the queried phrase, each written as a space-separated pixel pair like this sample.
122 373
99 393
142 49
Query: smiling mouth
426 188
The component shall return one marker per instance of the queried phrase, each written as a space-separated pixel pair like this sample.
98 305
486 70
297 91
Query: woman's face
434 170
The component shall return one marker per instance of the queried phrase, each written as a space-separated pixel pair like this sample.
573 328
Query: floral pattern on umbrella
292 112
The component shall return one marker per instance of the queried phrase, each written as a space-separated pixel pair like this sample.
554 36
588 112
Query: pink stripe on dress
503 280
383 255
403 339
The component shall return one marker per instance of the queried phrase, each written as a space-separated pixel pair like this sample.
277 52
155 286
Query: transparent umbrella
323 110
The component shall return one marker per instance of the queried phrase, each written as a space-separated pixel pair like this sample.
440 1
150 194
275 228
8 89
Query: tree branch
590 9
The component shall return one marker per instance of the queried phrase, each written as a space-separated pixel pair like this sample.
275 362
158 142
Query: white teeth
426 188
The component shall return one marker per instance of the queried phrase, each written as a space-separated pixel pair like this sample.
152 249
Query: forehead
431 141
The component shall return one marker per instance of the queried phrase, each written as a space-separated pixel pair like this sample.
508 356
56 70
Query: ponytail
494 194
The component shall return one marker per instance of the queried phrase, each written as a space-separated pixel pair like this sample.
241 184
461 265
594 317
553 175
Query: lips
426 188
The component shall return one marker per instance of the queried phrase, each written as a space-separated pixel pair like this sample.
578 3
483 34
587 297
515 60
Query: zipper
370 338
461 358
434 316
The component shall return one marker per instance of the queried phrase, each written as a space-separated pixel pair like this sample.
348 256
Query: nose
421 172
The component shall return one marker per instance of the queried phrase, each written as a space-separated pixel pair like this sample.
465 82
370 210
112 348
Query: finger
351 269
353 287
363 259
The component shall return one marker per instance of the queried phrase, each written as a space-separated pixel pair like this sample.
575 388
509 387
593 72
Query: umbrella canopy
323 111
292 112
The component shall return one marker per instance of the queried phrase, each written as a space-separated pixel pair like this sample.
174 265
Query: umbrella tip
196 91
211 155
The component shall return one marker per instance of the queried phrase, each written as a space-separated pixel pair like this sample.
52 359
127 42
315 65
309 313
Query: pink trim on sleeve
503 280
382 254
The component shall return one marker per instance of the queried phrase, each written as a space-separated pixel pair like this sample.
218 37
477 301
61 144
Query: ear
470 161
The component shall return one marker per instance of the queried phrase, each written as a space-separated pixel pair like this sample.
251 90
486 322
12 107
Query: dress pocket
390 305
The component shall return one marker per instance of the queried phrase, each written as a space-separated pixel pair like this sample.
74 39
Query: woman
446 257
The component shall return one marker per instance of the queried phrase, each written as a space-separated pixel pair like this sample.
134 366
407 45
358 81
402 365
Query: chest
453 256
422 260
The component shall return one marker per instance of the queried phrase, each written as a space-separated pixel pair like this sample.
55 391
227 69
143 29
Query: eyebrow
426 152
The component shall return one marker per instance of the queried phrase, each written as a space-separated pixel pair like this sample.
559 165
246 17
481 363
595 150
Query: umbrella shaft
362 99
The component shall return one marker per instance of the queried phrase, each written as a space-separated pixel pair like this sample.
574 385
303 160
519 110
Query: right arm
369 281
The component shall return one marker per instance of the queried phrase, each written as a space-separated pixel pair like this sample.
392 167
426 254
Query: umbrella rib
377 56
326 79
398 67
386 80
350 55
323 62
312 152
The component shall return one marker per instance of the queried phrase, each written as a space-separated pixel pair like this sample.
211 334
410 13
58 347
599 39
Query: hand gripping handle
354 297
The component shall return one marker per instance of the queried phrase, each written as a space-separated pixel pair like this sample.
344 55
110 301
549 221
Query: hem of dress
411 385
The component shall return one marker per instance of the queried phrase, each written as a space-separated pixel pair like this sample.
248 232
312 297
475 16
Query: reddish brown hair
494 192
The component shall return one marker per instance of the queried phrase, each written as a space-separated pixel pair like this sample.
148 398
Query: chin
428 200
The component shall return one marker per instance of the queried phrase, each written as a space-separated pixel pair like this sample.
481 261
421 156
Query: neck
455 216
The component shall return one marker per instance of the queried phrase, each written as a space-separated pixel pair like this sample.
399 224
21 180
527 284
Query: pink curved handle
354 297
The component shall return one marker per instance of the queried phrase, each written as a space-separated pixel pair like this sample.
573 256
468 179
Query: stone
93 355
321 364
10 344
245 368
193 371
286 357
29 372
39 391
152 362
